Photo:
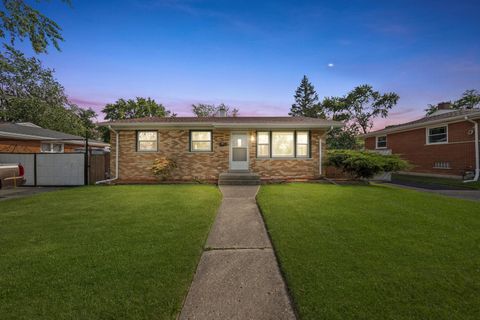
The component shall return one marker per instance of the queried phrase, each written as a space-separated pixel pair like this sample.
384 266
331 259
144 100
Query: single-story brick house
204 148
445 143
27 137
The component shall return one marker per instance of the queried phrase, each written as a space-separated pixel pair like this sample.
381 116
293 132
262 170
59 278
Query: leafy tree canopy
365 104
470 99
30 93
357 109
134 108
19 21
202 110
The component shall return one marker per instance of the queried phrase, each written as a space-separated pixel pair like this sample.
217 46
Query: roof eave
421 125
262 125
21 136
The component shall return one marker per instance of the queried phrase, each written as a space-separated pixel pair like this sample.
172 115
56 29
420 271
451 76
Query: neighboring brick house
30 138
442 144
204 148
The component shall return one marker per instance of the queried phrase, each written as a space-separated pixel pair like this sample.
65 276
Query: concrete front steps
237 178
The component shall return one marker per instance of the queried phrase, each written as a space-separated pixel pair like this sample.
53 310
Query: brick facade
205 166
411 145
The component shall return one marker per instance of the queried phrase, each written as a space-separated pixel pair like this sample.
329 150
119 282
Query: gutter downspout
116 158
477 156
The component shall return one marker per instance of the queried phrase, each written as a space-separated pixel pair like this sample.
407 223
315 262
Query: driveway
460 194
20 192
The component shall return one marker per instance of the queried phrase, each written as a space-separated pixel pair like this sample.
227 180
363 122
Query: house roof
457 115
29 131
225 122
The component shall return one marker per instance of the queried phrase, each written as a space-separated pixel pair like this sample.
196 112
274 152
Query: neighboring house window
437 135
200 141
51 147
303 144
381 142
147 141
283 144
263 144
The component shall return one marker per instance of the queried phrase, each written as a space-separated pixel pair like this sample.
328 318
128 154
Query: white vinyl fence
54 169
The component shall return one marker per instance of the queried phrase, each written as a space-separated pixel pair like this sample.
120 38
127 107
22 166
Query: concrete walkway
238 275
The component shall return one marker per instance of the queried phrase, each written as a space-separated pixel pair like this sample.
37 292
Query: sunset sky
253 54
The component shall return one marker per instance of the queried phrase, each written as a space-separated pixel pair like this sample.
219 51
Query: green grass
375 252
122 252
437 181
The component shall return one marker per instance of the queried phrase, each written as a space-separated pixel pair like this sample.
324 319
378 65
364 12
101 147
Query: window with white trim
200 141
437 135
381 142
263 144
147 141
47 147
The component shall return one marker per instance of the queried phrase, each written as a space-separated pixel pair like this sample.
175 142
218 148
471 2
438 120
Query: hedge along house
444 144
233 149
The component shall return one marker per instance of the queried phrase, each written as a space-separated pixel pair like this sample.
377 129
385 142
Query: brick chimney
444 106
222 111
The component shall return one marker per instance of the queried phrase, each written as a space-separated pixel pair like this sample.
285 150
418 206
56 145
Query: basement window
441 165
147 141
437 135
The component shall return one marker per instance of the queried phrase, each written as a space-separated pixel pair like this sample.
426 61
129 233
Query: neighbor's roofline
22 136
401 128
219 125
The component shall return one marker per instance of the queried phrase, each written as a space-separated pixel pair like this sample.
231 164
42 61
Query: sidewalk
238 275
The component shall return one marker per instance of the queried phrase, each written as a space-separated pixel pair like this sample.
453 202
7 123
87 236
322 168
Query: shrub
163 167
364 164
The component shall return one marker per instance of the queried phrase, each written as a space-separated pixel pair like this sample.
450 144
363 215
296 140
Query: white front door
239 151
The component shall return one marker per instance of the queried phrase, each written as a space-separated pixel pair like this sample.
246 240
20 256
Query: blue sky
253 54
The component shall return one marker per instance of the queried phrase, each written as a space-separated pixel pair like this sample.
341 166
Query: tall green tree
134 108
30 93
306 101
366 104
357 109
470 99
203 110
19 21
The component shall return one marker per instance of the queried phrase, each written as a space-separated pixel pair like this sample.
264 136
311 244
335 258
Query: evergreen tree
306 101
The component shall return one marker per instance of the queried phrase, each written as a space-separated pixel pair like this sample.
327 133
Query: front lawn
122 252
375 252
